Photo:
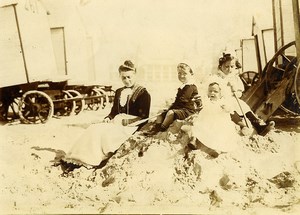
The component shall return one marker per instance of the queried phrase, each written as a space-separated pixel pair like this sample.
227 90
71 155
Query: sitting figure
186 102
213 131
100 141
234 91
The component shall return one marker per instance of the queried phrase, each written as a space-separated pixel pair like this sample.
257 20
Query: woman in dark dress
131 103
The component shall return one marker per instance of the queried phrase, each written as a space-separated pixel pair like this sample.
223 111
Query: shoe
191 146
264 129
259 125
152 131
211 152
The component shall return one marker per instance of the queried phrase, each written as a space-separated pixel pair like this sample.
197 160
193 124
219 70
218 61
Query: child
184 104
213 129
235 89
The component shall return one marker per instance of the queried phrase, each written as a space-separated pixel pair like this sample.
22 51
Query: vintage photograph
150 107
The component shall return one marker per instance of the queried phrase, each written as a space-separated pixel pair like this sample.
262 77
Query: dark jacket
184 98
138 104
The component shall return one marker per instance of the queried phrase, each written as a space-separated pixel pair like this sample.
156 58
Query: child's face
184 76
227 67
214 92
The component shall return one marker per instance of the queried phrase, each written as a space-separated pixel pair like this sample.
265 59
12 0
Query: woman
234 91
100 141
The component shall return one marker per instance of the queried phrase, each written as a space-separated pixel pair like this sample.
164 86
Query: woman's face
128 78
214 92
227 66
184 76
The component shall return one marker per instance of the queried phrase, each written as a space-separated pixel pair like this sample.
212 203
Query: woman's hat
127 66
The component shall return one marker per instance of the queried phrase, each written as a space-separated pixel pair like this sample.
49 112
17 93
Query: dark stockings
169 118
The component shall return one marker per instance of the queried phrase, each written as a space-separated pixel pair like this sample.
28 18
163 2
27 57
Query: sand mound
155 175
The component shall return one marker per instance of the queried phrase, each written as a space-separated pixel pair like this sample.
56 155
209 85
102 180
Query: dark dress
137 105
101 139
183 105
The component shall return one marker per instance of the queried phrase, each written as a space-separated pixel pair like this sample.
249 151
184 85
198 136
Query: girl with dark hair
235 89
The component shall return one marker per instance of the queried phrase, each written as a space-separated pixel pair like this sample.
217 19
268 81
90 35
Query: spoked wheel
95 103
105 97
68 106
297 84
249 78
79 104
292 103
12 111
286 69
35 107
111 96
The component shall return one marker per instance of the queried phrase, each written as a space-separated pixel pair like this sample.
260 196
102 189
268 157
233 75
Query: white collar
125 94
187 83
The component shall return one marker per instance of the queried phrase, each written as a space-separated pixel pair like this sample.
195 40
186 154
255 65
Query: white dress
98 140
214 128
238 105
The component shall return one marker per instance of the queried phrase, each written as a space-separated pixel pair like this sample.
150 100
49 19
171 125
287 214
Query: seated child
213 131
184 104
234 90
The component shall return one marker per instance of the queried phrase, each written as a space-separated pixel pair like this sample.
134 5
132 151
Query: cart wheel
274 74
249 78
105 97
111 96
287 69
297 84
11 110
292 103
68 106
95 103
35 107
79 104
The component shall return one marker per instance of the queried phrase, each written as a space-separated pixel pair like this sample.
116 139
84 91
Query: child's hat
184 67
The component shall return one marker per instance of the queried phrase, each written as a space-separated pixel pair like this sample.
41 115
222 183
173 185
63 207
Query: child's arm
225 105
188 93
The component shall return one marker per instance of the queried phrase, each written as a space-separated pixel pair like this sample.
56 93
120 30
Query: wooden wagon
33 82
275 82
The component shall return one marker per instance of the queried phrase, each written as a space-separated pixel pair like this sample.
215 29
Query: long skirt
97 141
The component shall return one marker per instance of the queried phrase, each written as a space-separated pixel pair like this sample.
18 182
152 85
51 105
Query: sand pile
153 175
258 173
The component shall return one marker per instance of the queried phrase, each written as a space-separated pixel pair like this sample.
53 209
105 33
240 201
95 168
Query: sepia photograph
150 107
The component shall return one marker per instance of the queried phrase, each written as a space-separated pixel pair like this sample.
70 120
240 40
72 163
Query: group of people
218 114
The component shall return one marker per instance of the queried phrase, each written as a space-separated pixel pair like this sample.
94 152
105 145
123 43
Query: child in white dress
213 131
